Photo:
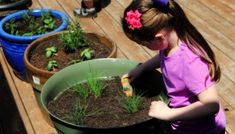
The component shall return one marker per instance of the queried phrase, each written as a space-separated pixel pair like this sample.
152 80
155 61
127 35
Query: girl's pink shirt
185 76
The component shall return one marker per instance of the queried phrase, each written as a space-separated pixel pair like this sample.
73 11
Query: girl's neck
173 43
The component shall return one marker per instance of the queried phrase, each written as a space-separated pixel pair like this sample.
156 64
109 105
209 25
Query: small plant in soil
87 54
52 65
30 25
81 90
74 39
51 51
95 85
81 111
131 104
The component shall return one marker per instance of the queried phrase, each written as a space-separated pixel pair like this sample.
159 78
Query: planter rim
37 12
31 46
111 60
14 4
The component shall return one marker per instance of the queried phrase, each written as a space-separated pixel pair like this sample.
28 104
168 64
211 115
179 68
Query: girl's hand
160 110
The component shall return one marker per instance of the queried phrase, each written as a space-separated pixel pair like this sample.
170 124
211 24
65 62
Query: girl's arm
208 104
151 64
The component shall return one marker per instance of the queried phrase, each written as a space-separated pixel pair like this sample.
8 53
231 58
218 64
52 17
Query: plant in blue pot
19 29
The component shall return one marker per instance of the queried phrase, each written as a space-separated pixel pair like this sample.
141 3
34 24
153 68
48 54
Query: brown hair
154 19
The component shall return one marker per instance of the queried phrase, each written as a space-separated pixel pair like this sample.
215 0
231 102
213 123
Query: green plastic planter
106 67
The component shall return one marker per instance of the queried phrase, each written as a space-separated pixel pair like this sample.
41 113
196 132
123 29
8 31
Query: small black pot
14 5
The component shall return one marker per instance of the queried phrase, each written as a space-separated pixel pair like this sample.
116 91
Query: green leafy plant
96 86
34 25
87 54
52 65
131 104
11 27
80 90
48 20
74 39
51 51
80 111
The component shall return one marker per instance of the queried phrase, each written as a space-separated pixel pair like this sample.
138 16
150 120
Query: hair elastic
161 4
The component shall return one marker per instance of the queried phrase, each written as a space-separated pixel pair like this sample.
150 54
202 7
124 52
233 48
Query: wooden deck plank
226 90
229 71
213 36
21 108
212 18
221 9
230 122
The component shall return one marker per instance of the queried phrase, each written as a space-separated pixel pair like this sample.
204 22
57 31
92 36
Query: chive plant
132 103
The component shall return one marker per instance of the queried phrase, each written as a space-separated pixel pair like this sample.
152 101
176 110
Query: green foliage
51 51
33 27
131 104
74 39
11 27
80 111
48 20
52 65
96 86
81 90
87 54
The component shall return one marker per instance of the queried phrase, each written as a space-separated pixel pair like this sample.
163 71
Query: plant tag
127 89
36 80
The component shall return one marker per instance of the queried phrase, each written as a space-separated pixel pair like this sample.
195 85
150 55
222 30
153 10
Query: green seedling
74 39
132 103
96 86
80 111
51 51
81 90
11 27
48 20
52 65
87 54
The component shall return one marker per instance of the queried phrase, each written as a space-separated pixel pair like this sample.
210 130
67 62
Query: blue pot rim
36 12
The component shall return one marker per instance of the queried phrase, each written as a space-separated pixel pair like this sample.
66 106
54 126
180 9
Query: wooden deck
214 19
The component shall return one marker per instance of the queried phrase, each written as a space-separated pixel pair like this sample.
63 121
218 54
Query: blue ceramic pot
14 46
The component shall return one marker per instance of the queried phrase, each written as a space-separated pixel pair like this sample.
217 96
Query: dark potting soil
39 59
110 112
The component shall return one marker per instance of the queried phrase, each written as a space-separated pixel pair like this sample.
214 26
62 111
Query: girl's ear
159 36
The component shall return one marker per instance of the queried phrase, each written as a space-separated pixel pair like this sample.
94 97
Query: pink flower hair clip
133 19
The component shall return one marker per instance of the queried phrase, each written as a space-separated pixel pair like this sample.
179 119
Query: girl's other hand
160 110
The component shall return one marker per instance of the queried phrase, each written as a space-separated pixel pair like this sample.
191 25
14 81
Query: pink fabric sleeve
196 75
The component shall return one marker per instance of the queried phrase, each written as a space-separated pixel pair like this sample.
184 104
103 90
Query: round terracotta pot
37 77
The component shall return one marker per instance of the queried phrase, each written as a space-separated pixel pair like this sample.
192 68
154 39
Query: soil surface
39 59
110 112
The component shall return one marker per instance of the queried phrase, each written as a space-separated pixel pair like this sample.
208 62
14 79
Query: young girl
187 63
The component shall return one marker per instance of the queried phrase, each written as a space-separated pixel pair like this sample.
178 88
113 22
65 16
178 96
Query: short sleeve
196 75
